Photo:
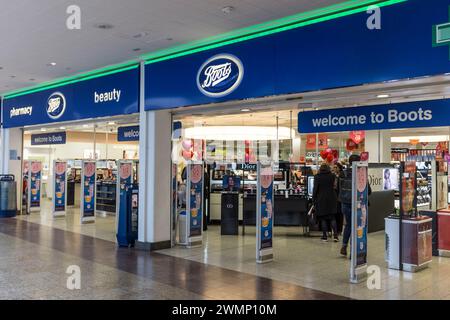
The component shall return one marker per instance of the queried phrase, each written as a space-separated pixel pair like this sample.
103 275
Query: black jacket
324 193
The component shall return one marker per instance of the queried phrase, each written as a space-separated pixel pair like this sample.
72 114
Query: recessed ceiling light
104 26
51 64
111 123
140 35
227 9
383 96
62 128
85 125
43 129
246 110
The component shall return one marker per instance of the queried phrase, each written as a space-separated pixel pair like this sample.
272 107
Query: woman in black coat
325 200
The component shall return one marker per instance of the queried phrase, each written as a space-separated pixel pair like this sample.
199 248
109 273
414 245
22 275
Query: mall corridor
34 260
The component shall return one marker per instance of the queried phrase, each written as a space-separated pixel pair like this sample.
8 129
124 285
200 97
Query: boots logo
56 105
220 75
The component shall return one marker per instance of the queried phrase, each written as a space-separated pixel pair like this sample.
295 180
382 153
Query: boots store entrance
67 144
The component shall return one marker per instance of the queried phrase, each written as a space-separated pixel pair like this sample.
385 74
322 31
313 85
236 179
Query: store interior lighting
419 139
238 133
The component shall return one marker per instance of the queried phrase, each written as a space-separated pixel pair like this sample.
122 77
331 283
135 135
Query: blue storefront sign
110 95
48 138
331 54
432 113
130 133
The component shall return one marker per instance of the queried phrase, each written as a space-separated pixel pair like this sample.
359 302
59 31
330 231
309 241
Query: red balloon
330 158
187 155
323 154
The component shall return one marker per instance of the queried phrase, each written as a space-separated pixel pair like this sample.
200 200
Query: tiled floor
104 228
34 259
300 263
308 262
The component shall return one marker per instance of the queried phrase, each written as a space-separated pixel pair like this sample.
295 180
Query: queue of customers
332 200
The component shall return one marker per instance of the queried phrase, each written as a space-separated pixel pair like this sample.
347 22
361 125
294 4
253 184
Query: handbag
312 216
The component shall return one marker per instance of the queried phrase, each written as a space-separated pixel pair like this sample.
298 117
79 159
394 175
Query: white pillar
378 144
154 175
11 156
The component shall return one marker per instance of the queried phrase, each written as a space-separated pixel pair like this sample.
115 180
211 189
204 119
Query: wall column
378 144
155 150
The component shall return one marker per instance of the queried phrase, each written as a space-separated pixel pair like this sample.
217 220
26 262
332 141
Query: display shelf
106 197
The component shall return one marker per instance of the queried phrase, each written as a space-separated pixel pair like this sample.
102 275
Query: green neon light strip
73 79
260 30
292 22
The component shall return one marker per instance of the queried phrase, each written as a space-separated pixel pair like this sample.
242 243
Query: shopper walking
325 200
345 197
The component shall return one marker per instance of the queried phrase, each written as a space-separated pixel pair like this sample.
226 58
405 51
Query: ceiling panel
34 33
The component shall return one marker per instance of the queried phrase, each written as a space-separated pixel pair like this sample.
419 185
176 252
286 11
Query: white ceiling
33 33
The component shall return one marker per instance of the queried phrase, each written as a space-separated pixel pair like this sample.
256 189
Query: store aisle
310 263
103 228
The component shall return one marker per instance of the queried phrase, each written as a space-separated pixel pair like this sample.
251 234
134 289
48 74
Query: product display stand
194 204
88 191
264 213
443 217
59 198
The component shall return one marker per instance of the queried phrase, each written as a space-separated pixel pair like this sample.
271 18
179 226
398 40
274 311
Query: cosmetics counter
291 194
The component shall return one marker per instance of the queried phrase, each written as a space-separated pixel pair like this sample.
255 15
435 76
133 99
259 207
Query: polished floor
310 263
104 228
303 267
34 259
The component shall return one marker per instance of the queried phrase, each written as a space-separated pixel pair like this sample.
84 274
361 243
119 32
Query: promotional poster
361 215
35 184
60 186
25 185
88 189
266 206
196 200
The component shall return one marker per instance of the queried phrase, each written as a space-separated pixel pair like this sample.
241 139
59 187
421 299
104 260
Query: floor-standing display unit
360 215
194 204
59 198
264 213
125 179
34 186
88 191
410 248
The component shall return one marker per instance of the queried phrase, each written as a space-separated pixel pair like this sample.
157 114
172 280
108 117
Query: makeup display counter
289 210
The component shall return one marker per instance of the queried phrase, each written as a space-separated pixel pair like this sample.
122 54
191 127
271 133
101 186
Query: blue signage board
48 138
130 133
432 113
331 54
110 95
